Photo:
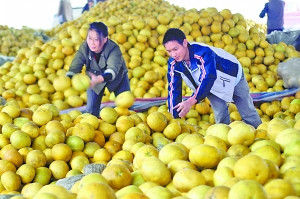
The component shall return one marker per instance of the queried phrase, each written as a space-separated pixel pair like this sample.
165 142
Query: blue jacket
85 8
206 63
275 10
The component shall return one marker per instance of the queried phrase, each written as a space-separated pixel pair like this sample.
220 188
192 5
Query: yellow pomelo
217 192
26 172
61 83
198 157
85 131
130 189
269 153
90 119
42 175
172 130
143 152
57 190
36 158
54 138
247 189
123 123
80 82
92 178
279 188
59 169
9 153
241 133
191 140
42 116
186 179
109 115
238 150
287 136
159 192
198 192
154 170
11 181
124 99
275 126
177 165
157 121
222 175
171 152
30 189
252 167
61 151
20 139
75 143
117 176
78 162
90 148
101 155
220 131
31 129
96 190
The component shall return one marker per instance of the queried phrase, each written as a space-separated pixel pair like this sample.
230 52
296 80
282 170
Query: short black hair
100 28
174 34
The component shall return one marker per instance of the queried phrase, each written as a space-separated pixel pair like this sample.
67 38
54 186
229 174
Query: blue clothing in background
275 10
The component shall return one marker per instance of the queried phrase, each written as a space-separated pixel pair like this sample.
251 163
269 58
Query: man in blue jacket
210 72
275 10
88 6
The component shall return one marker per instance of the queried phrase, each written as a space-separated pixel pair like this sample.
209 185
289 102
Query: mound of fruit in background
37 76
12 40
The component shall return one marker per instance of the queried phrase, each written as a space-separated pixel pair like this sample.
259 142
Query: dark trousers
94 99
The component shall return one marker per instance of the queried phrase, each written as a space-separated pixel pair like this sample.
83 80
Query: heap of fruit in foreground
147 155
37 76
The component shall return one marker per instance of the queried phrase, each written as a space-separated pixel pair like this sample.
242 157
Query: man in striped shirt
210 72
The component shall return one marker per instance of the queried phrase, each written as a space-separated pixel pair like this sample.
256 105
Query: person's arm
264 11
174 89
77 63
85 8
114 63
206 79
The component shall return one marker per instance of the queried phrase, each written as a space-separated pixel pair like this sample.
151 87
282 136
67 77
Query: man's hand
184 107
96 79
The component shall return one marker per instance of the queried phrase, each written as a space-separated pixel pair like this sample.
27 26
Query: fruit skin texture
157 121
198 156
247 189
252 167
154 170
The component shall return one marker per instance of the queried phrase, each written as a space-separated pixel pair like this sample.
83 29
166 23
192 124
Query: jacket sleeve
78 62
174 89
264 11
207 77
114 62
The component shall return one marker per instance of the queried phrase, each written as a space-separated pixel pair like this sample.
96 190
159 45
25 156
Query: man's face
95 42
91 4
177 51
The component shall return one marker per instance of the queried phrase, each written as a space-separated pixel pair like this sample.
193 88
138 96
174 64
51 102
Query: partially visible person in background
275 11
65 12
88 6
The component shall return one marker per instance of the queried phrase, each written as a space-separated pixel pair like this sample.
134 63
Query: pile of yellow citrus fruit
12 40
147 154
37 76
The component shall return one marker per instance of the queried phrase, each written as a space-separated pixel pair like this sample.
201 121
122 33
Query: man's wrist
193 100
